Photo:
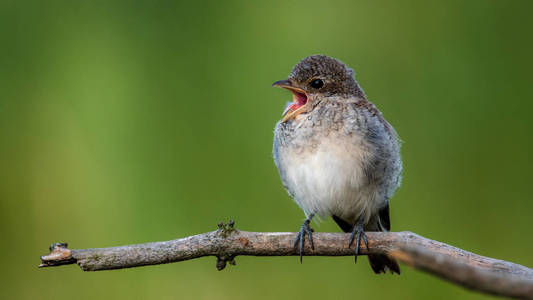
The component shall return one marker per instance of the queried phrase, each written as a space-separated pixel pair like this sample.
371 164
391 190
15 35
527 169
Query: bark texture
467 269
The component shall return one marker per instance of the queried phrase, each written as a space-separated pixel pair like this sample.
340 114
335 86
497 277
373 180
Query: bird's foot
305 229
358 232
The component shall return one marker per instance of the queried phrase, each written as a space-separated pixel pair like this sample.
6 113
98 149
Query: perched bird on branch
336 154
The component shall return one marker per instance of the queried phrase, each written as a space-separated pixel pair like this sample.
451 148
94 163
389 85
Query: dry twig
470 270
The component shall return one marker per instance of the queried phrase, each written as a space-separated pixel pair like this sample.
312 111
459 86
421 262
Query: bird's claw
305 229
358 232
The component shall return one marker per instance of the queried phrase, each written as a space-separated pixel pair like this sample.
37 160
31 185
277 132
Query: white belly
331 181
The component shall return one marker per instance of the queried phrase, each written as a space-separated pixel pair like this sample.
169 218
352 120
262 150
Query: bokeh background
134 121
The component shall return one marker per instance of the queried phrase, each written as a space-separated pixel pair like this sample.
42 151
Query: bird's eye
317 83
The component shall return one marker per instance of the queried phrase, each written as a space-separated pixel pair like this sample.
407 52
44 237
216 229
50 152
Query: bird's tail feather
381 263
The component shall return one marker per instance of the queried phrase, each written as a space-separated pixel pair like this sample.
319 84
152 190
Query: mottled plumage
336 155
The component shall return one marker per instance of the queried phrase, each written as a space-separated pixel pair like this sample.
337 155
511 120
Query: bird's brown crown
325 75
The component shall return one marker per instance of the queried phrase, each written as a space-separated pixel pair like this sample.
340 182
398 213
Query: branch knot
59 255
224 230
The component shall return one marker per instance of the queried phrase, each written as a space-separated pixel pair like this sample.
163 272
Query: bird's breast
325 174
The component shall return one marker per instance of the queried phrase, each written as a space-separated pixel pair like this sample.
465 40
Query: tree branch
467 269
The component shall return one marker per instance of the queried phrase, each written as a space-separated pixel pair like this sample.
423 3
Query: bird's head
314 79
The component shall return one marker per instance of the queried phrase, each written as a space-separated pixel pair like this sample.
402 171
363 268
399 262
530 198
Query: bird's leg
358 232
305 229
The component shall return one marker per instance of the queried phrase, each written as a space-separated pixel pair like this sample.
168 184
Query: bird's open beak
299 99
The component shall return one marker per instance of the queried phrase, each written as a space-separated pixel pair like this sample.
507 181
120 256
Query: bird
336 154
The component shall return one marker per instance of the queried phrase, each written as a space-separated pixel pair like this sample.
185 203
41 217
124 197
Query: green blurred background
128 122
